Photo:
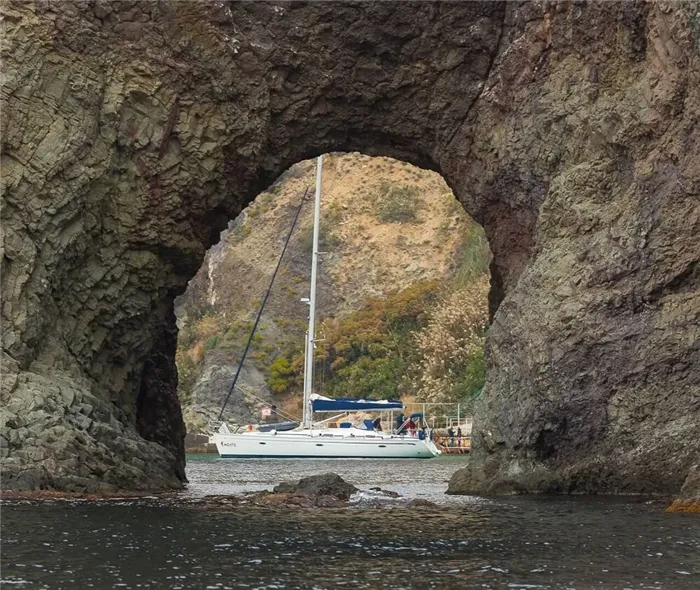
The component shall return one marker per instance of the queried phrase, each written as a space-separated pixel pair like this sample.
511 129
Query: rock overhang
145 127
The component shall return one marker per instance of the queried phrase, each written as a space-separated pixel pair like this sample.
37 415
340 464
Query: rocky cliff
133 132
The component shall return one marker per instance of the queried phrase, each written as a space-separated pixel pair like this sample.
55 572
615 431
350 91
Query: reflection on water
466 543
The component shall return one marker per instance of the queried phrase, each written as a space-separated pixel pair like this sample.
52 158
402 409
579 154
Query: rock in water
421 503
315 486
689 499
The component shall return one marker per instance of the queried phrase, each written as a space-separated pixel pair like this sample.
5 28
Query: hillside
387 229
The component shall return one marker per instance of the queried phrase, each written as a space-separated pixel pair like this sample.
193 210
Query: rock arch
132 132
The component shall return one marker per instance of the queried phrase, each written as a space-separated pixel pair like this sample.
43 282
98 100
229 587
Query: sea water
463 542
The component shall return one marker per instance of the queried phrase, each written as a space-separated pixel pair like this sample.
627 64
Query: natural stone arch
131 136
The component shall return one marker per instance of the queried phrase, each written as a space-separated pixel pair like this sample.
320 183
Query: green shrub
399 204
470 381
240 232
187 373
335 214
472 256
327 241
368 353
282 375
186 337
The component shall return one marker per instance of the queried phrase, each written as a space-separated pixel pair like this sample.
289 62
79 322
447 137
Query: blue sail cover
348 404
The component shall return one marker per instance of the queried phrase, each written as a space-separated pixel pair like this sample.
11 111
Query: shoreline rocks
327 490
689 499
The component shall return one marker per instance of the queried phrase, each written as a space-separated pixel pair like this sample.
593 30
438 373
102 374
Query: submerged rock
387 493
327 490
421 503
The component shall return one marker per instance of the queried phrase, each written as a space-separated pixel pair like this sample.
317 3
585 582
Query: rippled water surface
466 542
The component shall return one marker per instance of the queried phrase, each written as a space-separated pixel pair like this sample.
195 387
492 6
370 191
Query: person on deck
451 434
399 421
411 427
377 424
459 436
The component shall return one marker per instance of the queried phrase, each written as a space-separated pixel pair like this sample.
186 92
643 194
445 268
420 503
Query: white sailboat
317 440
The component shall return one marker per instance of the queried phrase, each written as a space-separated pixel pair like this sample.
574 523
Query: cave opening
403 304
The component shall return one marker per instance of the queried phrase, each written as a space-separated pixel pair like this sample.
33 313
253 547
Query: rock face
132 132
213 386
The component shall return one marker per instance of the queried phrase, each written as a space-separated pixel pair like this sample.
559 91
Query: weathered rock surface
314 486
689 497
327 490
212 389
132 133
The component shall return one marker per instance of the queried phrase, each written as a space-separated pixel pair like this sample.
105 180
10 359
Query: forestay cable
262 305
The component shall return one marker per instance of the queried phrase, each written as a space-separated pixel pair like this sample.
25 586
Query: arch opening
402 312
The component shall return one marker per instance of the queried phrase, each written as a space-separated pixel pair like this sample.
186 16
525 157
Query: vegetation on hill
367 352
397 203
426 341
451 363
401 254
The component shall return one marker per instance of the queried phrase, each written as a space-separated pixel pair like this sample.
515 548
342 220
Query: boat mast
309 358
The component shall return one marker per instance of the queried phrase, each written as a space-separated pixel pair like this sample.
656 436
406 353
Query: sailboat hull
327 446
